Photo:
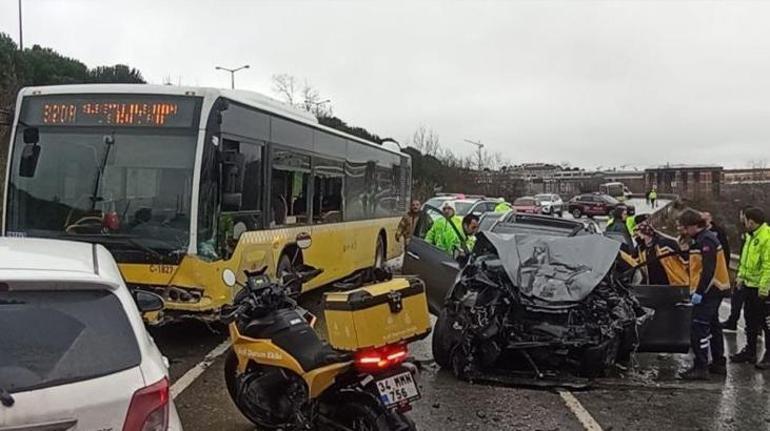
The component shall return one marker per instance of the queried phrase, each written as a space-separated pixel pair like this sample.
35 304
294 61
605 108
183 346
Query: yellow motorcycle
281 375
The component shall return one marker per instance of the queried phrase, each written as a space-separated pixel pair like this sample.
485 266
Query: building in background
747 176
686 180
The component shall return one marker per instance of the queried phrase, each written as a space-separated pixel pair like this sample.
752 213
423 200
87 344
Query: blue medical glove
696 298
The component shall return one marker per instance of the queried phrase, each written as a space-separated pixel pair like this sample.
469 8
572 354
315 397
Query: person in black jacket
719 231
738 296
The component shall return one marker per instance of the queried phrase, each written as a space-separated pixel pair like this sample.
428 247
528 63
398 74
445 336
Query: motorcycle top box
378 314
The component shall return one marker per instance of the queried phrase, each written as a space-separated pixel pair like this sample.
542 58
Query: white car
551 203
74 353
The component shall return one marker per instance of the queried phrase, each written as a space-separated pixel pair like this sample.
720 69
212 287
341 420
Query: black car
595 204
668 330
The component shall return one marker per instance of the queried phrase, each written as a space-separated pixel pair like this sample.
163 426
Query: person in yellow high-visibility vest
503 206
653 197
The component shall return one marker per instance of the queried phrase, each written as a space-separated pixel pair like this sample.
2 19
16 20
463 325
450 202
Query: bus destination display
118 111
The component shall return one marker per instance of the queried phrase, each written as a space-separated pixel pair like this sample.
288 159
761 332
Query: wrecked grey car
666 331
538 305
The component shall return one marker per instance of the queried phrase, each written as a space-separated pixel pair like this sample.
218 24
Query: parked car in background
595 204
464 205
527 205
437 201
551 203
75 352
475 206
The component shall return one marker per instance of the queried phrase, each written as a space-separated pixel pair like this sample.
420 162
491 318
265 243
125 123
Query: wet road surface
646 397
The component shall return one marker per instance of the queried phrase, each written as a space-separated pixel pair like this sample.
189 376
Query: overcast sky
592 83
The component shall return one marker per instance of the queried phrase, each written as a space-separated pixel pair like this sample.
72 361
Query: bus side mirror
30 154
31 135
29 158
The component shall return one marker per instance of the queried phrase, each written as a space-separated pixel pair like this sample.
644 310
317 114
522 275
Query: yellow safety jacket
754 268
664 253
705 273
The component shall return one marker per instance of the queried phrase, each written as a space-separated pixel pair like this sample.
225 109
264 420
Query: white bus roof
249 98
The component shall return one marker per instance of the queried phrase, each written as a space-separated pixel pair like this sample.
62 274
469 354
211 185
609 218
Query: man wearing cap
446 232
709 281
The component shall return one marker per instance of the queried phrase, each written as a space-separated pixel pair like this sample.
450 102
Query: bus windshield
124 187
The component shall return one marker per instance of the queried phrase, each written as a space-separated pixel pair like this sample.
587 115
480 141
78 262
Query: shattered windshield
554 269
123 187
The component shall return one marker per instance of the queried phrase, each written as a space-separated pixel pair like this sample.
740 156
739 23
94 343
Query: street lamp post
21 33
232 73
317 105
479 148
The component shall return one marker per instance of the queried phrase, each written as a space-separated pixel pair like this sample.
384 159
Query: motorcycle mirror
228 276
304 241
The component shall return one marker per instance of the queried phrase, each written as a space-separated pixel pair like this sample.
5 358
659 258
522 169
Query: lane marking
193 373
580 412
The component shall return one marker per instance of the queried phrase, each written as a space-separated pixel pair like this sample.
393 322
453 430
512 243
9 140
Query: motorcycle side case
376 315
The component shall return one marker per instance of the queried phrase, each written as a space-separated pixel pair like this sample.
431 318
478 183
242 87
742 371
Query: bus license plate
397 389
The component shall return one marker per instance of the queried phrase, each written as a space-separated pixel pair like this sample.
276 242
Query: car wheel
577 213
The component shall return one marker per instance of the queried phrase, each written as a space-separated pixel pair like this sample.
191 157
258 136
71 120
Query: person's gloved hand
696 298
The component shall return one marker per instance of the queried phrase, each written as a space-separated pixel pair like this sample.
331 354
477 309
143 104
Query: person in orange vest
709 282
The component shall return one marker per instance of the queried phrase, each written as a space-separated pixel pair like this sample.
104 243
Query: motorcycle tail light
149 408
380 358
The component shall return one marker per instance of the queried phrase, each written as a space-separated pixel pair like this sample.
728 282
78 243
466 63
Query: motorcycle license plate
397 389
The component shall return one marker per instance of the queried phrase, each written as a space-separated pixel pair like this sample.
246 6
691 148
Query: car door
434 266
585 203
669 329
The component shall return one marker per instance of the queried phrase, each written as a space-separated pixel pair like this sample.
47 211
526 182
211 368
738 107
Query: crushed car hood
554 269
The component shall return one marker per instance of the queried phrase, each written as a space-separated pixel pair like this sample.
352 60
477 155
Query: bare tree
427 141
305 96
286 87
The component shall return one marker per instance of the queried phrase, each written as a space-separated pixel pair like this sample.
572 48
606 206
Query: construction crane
479 153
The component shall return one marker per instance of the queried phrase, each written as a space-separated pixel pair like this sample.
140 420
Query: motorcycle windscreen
553 270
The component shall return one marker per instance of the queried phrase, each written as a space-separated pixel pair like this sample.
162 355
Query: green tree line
44 66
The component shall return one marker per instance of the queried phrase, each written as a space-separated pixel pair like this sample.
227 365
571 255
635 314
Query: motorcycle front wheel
263 417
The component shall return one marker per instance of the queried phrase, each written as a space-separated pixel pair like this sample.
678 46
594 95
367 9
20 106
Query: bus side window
290 177
328 176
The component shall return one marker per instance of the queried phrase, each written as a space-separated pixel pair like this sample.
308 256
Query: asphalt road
646 397
649 396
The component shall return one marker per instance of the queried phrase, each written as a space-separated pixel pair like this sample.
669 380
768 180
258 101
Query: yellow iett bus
186 186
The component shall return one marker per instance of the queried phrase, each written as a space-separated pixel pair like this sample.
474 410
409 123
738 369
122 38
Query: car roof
31 259
466 201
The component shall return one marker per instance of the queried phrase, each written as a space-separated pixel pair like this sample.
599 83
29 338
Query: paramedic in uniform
709 281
